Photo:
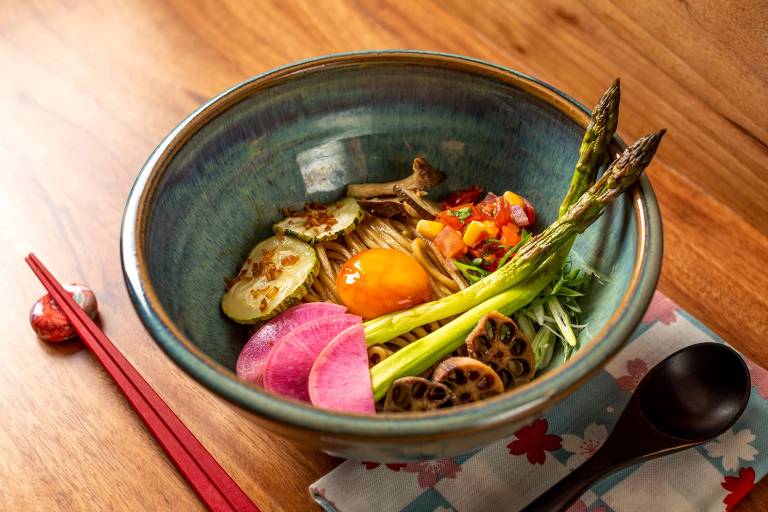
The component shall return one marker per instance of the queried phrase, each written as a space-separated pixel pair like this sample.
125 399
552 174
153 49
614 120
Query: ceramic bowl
217 182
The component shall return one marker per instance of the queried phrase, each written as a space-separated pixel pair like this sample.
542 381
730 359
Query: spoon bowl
690 397
696 393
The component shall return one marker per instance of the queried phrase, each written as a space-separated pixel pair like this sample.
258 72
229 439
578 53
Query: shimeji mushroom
424 176
415 203
468 379
499 342
382 207
416 394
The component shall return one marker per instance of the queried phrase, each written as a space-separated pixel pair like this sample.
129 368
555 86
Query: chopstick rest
49 321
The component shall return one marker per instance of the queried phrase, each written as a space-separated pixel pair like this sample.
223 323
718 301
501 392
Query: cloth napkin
510 473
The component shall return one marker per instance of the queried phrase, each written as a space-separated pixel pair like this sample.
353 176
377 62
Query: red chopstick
211 483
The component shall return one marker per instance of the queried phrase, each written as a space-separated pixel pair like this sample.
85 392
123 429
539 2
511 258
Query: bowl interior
306 136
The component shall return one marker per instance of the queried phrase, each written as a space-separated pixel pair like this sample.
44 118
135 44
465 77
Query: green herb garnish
462 213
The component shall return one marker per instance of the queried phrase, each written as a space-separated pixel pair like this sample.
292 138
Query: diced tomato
503 216
469 195
449 220
450 243
477 215
510 235
530 211
496 208
488 204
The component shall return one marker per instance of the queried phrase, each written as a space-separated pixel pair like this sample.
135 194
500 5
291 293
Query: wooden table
89 88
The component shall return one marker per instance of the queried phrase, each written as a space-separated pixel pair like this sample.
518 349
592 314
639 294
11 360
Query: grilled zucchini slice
277 274
319 222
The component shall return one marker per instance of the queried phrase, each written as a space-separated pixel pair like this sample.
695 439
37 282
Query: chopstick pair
211 483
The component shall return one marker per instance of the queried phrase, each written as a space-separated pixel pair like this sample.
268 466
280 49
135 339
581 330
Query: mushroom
424 176
499 342
468 379
415 199
416 394
382 207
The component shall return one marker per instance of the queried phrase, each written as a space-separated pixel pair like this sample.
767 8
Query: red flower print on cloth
661 309
534 442
373 465
431 471
636 369
759 379
738 487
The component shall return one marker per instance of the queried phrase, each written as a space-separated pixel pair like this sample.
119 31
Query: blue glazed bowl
217 182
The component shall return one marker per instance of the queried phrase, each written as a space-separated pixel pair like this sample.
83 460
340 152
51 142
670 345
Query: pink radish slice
290 360
250 363
340 379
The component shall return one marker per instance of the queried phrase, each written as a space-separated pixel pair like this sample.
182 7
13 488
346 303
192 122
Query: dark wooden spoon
690 397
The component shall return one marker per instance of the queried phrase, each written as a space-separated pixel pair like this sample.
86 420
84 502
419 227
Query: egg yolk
379 281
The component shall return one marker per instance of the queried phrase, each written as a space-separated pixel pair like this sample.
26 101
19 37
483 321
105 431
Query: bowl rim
523 402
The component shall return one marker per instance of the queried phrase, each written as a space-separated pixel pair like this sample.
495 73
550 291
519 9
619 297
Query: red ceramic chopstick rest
50 323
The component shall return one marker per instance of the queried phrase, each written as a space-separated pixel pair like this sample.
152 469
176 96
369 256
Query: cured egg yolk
379 281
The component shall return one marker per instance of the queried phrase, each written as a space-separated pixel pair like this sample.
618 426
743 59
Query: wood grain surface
88 89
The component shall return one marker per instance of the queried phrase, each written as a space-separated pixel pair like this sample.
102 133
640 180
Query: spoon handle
562 495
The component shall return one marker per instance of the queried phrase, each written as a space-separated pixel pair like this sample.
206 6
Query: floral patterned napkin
510 473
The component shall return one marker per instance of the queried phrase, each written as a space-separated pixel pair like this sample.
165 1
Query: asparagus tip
609 101
647 145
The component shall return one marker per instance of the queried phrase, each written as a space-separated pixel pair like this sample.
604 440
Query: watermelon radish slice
250 363
340 379
290 360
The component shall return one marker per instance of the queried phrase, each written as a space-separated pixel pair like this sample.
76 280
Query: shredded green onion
471 273
543 347
555 314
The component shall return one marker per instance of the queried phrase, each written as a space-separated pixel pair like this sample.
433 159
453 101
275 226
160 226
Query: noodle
324 263
352 244
370 242
398 342
330 286
418 252
319 290
355 237
387 228
375 238
377 354
402 228
338 248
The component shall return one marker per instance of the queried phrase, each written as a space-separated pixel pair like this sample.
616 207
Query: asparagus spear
594 146
617 178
